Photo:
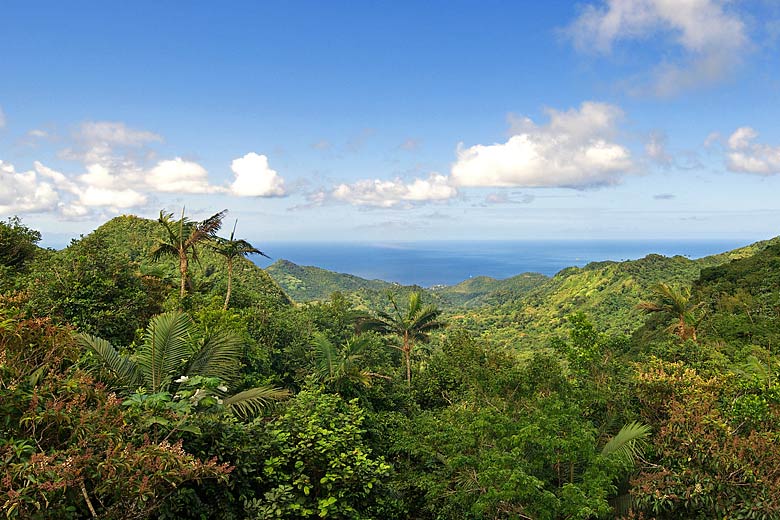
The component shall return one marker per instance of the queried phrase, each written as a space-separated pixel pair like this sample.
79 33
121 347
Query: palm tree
340 366
231 249
412 326
181 237
677 304
171 350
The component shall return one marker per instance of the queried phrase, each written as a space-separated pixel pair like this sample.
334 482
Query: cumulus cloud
711 38
178 175
119 170
387 194
255 178
97 188
747 156
575 148
24 192
38 133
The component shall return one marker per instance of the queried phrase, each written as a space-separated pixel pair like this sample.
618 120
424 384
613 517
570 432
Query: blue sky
396 120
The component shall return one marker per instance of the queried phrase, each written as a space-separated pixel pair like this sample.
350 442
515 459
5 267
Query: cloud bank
575 149
388 194
119 171
710 38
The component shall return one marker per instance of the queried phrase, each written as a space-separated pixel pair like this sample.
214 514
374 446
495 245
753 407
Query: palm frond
382 324
165 349
162 249
251 402
326 356
124 369
205 229
219 356
629 443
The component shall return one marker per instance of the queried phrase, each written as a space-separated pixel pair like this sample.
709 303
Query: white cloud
115 133
94 189
112 198
746 156
655 148
575 149
98 176
741 138
712 39
386 194
255 178
178 175
38 133
23 192
2 118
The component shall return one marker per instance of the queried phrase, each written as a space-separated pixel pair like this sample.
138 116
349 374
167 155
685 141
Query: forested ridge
151 370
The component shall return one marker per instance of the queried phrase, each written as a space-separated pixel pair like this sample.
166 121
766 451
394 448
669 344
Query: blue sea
450 262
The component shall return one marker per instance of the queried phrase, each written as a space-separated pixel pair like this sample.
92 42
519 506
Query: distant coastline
450 262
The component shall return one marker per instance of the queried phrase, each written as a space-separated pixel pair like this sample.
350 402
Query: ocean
450 262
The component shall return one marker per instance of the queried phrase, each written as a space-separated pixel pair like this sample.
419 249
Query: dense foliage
131 388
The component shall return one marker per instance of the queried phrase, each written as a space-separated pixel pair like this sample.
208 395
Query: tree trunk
230 283
183 267
407 358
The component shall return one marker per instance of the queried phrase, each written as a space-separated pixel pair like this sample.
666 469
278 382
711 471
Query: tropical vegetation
151 370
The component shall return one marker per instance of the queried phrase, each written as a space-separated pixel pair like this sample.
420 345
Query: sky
380 120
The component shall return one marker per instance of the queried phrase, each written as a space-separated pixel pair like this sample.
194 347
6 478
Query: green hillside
114 262
741 301
607 290
307 283
484 290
